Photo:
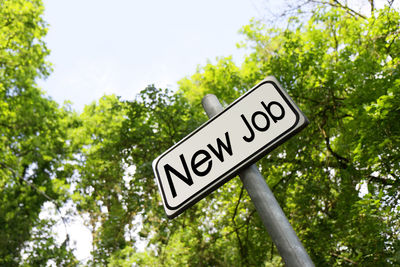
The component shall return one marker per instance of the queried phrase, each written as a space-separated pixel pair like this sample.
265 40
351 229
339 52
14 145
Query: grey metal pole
272 216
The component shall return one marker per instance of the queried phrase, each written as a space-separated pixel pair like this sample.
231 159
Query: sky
119 47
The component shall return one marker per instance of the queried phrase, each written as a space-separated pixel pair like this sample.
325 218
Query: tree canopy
337 181
33 139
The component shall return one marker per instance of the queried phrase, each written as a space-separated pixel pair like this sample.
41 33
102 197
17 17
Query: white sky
102 47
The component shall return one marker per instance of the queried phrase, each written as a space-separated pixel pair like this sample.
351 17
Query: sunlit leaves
337 181
33 137
340 69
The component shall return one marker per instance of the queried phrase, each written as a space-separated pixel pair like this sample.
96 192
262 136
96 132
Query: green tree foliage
99 185
115 183
32 135
337 181
343 71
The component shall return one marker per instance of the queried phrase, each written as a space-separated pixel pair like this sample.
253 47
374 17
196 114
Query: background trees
338 66
337 181
33 138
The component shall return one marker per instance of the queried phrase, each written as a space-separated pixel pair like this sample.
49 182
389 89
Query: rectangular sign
245 131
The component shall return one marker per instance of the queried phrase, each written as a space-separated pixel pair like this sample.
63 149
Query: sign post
246 130
271 214
228 144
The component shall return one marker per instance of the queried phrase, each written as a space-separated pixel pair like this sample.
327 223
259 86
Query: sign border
232 172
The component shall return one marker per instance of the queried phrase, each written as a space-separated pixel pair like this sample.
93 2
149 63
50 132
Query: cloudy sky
119 47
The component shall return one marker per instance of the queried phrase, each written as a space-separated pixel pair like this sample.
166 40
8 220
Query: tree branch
237 204
243 252
383 181
346 7
342 160
344 258
336 3
371 2
42 193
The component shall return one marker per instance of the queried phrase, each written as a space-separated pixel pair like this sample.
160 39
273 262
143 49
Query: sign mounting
245 131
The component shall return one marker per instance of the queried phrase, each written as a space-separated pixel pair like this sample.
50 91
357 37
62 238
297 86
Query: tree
33 146
114 181
100 190
342 69
337 181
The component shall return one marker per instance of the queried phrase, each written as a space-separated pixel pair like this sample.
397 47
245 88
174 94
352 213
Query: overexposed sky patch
119 47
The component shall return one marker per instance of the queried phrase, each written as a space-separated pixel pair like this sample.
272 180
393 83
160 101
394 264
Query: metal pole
272 216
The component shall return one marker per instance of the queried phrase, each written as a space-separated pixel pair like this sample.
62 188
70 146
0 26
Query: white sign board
246 130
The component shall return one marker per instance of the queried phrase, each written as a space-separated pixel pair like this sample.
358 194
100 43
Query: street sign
245 131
